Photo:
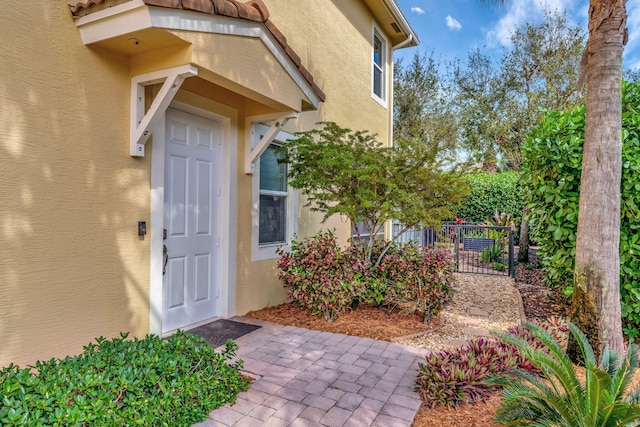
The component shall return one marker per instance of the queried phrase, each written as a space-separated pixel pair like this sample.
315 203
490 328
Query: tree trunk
523 243
596 297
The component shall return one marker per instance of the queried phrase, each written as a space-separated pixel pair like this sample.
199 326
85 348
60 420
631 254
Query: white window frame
262 252
383 69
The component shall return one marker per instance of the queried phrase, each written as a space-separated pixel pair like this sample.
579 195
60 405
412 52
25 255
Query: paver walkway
312 378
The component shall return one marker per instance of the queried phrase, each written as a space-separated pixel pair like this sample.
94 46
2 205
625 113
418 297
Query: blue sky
452 28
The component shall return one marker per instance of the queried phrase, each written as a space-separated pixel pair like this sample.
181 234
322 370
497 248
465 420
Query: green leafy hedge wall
491 192
553 163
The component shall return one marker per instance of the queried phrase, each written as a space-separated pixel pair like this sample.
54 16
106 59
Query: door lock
142 228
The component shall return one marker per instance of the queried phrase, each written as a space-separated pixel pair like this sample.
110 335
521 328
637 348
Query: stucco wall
333 38
71 264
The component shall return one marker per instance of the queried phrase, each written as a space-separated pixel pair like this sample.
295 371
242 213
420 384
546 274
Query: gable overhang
167 46
390 17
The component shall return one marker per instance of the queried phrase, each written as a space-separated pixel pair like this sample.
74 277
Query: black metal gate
483 249
478 249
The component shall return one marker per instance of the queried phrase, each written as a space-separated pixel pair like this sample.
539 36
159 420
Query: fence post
456 242
512 269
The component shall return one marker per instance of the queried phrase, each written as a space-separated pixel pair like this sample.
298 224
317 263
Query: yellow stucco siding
73 267
333 38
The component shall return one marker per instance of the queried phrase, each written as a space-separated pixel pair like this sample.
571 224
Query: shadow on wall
73 267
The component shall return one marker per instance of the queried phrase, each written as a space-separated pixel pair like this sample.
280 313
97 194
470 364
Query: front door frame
228 118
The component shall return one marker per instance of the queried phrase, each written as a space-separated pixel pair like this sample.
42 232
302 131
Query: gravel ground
481 304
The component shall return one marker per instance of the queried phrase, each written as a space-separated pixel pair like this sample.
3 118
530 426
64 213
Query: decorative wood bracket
141 122
254 153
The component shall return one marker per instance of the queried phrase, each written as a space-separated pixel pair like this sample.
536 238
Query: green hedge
491 192
119 382
553 163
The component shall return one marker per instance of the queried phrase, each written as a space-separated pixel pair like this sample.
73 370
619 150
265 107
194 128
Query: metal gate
477 249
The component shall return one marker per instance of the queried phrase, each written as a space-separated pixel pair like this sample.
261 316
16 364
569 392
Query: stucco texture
73 267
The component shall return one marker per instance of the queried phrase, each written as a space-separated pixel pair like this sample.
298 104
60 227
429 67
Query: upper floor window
379 77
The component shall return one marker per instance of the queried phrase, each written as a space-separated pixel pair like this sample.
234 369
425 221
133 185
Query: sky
452 28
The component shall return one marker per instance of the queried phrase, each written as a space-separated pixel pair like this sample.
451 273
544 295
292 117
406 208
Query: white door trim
228 119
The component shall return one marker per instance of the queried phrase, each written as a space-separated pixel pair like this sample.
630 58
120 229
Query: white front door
192 219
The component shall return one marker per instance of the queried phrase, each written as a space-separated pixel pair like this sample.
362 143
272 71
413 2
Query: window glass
273 176
378 65
272 215
377 51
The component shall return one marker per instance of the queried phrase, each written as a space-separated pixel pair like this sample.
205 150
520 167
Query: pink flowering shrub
326 280
417 278
319 276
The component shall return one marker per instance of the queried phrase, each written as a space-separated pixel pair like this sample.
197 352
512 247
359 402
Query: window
360 232
272 209
274 203
379 79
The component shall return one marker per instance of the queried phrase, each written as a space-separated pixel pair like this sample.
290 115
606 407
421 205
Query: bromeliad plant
452 378
464 375
558 398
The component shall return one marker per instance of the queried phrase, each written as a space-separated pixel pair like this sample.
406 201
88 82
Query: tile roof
252 10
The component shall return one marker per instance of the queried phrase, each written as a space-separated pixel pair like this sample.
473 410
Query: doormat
218 332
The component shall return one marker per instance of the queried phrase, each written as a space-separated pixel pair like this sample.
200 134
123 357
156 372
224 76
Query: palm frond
562 400
585 347
625 372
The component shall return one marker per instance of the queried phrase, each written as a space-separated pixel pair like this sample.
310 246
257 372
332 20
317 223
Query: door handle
165 252
165 258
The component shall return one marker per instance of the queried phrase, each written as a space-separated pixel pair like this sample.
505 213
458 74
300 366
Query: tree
479 99
499 103
596 296
631 74
595 306
539 73
422 108
351 174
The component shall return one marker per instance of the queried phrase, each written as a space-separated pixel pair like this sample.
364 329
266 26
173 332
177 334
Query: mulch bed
367 321
540 301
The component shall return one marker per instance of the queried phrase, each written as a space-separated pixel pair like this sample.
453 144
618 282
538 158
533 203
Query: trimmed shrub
319 276
118 382
552 169
465 375
491 192
413 277
326 280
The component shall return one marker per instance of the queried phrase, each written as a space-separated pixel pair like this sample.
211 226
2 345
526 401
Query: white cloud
453 23
520 11
417 10
517 12
632 49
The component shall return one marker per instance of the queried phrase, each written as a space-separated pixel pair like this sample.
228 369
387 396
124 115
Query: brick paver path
313 378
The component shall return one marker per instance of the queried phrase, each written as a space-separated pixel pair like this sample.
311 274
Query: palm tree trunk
596 298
